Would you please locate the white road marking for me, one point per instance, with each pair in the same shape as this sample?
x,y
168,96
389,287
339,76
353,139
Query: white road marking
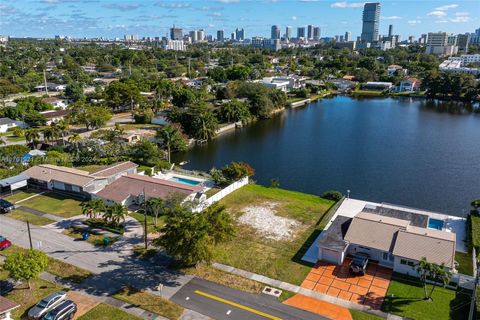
x,y
187,298
229,311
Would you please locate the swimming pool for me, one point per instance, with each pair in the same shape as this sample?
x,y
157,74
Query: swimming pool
x,y
435,224
186,181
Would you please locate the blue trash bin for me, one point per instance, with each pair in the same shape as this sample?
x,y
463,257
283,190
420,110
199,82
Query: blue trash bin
x,y
85,235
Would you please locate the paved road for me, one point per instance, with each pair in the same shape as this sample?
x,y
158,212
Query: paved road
x,y
112,268
223,303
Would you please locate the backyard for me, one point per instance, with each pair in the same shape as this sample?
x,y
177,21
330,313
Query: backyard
x,y
405,297
267,251
49,202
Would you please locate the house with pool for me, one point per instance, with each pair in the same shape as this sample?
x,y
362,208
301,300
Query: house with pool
x,y
393,236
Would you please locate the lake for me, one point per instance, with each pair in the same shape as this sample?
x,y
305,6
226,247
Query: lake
x,y
399,151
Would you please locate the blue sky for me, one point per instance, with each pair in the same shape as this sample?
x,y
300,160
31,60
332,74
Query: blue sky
x,y
95,18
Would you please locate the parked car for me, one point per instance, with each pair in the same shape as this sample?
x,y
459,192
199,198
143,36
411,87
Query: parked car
x,y
64,311
46,304
6,206
359,263
4,243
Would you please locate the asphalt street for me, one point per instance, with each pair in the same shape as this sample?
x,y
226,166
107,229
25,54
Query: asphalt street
x,y
223,303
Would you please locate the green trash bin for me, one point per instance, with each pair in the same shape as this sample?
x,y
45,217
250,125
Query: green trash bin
x,y
106,241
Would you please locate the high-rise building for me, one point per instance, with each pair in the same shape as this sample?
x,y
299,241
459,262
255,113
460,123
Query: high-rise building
x,y
232,36
309,32
463,41
371,21
316,33
239,34
348,36
275,32
193,36
301,32
175,45
288,32
390,30
176,33
200,35
438,43
220,35
475,37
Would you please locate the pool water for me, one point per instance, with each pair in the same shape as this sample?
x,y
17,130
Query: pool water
x,y
435,224
186,181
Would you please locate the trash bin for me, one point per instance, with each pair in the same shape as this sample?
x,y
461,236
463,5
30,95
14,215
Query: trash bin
x,y
106,241
85,235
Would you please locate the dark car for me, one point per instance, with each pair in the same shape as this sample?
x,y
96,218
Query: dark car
x,y
359,263
6,206
4,243
64,311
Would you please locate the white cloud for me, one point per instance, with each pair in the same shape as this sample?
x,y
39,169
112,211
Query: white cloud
x,y
414,22
437,13
391,18
345,4
447,7
460,19
294,18
462,14
228,1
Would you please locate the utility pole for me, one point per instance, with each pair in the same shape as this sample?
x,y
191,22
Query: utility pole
x,y
29,235
145,217
45,82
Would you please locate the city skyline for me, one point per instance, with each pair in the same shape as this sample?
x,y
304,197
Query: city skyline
x,y
112,19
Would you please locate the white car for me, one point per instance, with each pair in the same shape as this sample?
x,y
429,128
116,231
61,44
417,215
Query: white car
x,y
46,304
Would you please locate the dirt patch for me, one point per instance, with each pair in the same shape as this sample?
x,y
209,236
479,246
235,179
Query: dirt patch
x,y
84,303
264,220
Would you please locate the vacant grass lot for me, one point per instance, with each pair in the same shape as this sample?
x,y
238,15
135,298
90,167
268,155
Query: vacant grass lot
x,y
107,312
150,302
20,195
55,203
407,301
276,259
465,262
27,298
56,267
21,215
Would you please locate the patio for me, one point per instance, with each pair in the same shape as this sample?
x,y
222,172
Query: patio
x,y
337,281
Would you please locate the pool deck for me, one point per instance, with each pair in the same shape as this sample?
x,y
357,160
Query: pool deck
x,y
170,175
351,207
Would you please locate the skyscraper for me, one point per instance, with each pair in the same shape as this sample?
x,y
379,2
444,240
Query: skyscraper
x,y
288,32
309,32
193,36
239,34
371,19
301,32
176,33
348,36
275,32
200,35
316,33
390,30
220,35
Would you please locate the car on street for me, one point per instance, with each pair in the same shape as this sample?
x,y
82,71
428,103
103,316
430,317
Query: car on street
x,y
4,243
359,263
6,206
46,304
64,311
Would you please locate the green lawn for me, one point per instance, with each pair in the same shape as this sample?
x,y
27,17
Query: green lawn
x,y
150,221
368,92
150,302
20,195
475,228
107,312
276,259
56,204
465,263
408,301
21,215
360,315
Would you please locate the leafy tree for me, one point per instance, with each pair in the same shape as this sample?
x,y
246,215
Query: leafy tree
x,y
26,265
18,132
155,207
144,115
74,92
171,138
219,223
147,153
231,173
34,118
332,195
184,97
93,208
91,117
235,110
434,272
122,94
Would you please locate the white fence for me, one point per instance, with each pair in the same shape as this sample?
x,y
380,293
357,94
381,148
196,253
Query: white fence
x,y
221,194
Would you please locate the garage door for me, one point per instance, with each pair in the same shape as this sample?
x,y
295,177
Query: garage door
x,y
330,255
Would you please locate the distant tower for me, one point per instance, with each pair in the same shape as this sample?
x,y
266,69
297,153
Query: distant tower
x,y
288,32
348,36
301,32
275,32
309,32
316,33
390,30
371,21
176,33
220,35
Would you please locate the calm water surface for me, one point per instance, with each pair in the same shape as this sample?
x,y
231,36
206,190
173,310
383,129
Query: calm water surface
x,y
385,150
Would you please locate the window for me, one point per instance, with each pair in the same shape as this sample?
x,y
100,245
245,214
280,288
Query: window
x,y
385,256
410,263
403,261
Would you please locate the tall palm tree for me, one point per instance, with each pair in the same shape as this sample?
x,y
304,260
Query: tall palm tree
x,y
63,129
155,206
48,134
115,213
93,207
74,138
172,138
32,135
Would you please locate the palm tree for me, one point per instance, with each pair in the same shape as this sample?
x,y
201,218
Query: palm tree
x,y
434,272
48,134
74,138
93,207
32,135
63,129
205,123
172,138
155,206
115,213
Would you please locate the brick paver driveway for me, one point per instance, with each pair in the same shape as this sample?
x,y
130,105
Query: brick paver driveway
x,y
337,281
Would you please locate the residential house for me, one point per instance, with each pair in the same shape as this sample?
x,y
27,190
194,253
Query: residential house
x,y
6,308
129,190
51,87
115,171
394,238
285,83
57,103
391,69
408,85
55,116
7,123
380,86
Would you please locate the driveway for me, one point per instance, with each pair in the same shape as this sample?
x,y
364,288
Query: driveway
x,y
337,281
